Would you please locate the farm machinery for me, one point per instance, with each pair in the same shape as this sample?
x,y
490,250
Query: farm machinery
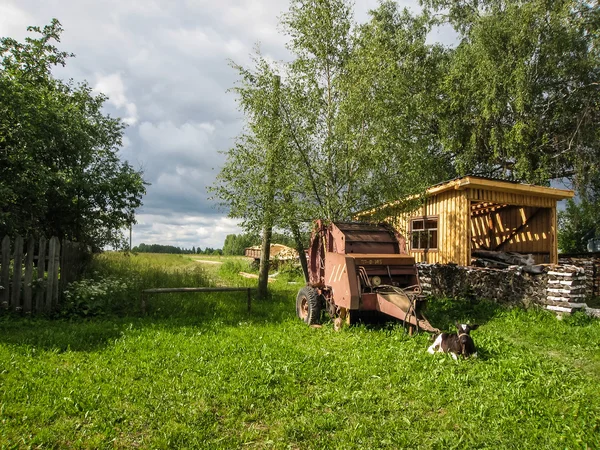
x,y
357,268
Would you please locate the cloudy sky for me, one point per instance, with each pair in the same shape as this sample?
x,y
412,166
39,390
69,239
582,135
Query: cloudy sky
x,y
164,66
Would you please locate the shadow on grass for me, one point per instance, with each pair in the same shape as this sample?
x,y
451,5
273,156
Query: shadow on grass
x,y
444,313
173,312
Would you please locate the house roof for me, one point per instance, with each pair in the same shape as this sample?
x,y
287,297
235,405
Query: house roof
x,y
491,184
500,186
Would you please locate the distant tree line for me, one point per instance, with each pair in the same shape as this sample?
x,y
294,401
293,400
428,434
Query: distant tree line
x,y
158,248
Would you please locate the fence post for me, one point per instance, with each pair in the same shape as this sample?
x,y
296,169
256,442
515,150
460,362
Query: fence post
x,y
18,259
52,285
56,272
41,271
5,276
28,275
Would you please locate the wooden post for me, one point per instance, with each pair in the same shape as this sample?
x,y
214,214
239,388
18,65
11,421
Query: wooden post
x,y
28,275
5,275
52,281
17,268
41,270
55,274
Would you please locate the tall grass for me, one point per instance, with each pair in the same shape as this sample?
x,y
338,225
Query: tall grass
x,y
114,282
201,372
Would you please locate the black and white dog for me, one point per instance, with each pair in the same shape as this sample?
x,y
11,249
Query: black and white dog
x,y
460,343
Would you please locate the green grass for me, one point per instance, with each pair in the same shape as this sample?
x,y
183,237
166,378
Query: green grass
x,y
200,372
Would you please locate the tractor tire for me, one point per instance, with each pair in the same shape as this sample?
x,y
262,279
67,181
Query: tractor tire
x,y
308,306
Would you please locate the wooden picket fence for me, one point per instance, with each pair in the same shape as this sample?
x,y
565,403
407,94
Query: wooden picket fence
x,y
33,275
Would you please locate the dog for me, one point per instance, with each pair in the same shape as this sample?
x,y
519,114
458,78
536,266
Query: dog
x,y
460,343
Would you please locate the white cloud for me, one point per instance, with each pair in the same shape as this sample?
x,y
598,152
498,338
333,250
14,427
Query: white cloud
x,y
184,231
112,86
13,20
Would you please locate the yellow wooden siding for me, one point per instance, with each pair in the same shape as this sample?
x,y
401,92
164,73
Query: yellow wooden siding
x,y
482,195
456,227
452,210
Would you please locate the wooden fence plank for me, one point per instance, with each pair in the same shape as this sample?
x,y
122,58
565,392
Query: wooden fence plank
x,y
55,273
28,275
50,278
41,269
5,274
17,270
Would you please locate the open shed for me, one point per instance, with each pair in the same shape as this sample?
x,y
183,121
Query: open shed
x,y
461,215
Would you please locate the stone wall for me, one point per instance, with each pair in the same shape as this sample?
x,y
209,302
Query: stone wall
x,y
506,286
560,288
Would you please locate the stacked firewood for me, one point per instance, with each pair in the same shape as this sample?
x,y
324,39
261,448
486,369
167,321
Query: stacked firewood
x,y
591,265
566,291
511,286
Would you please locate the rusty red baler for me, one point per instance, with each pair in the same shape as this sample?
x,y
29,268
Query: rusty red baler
x,y
356,267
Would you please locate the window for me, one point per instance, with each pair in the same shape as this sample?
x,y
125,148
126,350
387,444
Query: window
x,y
424,233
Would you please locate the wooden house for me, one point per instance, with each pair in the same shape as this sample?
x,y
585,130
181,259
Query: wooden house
x,y
470,213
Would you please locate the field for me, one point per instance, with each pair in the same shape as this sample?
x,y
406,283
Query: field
x,y
200,372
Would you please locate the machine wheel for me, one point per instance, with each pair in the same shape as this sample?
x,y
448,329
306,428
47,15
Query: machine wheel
x,y
308,305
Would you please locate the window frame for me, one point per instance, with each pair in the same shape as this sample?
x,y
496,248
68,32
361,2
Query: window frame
x,y
424,230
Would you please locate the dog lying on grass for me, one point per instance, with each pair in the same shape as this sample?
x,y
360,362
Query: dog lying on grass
x,y
460,343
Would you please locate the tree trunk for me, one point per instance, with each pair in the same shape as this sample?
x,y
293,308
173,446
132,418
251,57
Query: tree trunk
x,y
300,250
265,256
271,157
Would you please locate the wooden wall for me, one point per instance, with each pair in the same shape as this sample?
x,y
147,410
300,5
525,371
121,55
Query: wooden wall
x,y
522,229
537,237
452,210
456,227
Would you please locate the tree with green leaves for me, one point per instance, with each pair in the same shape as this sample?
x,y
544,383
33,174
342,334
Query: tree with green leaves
x,y
60,173
521,98
346,127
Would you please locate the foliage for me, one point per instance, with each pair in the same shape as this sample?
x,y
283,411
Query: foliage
x,y
337,138
577,224
236,244
393,84
90,297
200,372
521,98
60,173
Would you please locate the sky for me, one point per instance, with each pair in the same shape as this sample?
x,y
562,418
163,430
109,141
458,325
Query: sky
x,y
164,64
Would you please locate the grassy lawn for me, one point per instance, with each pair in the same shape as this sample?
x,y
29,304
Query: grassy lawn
x,y
200,372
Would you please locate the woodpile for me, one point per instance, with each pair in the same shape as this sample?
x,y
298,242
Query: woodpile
x,y
501,260
561,288
511,286
590,263
566,289
278,252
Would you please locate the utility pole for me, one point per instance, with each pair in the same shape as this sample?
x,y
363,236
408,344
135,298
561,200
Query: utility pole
x,y
271,159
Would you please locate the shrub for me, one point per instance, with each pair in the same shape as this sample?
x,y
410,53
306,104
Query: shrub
x,y
93,297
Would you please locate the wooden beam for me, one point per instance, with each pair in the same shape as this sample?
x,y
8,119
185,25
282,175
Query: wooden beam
x,y
518,230
492,207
